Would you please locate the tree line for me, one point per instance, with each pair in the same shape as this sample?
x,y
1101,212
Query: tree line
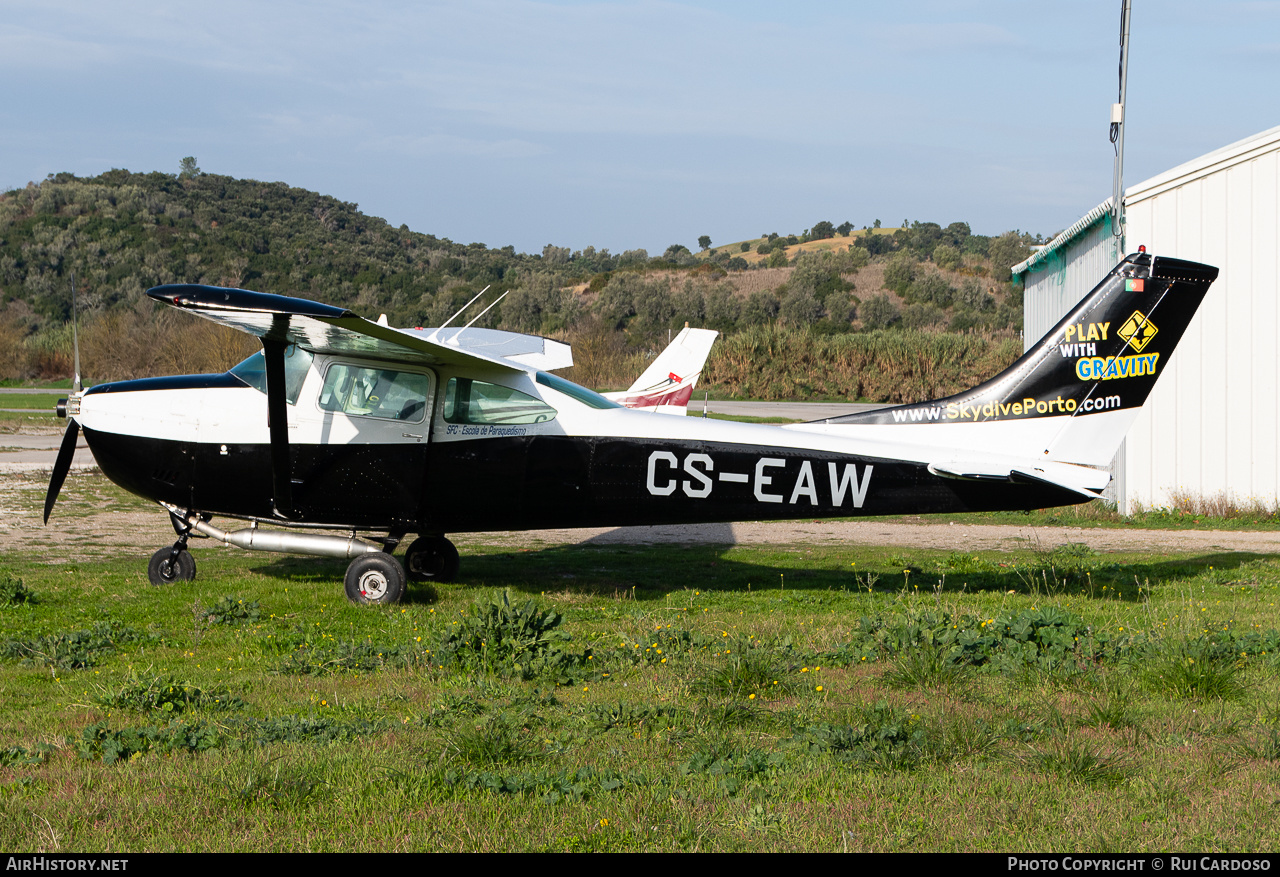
x,y
120,233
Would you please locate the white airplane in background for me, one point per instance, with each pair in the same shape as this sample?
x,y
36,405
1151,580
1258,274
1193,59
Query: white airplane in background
x,y
343,425
667,384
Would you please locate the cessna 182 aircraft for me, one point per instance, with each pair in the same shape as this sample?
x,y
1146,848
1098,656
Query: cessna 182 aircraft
x,y
348,426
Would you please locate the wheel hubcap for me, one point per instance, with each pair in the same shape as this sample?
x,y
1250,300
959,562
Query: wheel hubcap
x,y
373,585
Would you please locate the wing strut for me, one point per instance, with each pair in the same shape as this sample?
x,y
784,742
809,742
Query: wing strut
x,y
278,423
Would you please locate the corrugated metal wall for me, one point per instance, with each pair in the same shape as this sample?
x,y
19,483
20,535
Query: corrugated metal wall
x,y
1210,426
1053,288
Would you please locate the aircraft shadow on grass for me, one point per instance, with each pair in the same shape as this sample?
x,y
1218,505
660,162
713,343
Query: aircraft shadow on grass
x,y
648,573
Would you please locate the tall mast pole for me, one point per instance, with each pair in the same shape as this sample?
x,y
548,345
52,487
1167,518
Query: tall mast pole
x,y
1117,133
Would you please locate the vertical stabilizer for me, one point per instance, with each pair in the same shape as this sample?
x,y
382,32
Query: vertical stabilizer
x,y
1078,390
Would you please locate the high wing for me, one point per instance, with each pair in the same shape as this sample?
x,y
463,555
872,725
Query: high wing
x,y
326,329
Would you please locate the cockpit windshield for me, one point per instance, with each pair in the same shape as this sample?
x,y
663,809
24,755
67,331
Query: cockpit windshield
x,y
297,362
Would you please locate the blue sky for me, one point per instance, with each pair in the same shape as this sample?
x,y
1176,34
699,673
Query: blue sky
x,y
639,124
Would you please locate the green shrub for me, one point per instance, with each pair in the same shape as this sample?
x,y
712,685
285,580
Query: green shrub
x,y
307,729
72,651
230,610
168,694
1195,669
100,742
14,593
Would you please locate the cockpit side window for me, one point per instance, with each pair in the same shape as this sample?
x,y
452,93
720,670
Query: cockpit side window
x,y
297,362
375,392
470,401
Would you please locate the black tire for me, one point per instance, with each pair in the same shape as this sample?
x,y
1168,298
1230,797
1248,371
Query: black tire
x,y
375,579
431,559
163,570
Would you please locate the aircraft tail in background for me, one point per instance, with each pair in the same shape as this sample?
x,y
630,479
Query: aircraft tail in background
x,y
667,384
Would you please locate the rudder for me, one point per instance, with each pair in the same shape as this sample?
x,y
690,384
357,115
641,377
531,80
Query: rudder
x,y
1092,372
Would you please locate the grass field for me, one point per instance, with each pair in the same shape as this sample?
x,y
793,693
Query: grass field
x,y
620,698
42,401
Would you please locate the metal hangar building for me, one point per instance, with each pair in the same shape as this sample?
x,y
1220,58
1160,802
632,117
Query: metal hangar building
x,y
1209,429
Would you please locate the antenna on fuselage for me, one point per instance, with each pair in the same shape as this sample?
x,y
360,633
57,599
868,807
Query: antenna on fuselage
x,y
460,310
489,308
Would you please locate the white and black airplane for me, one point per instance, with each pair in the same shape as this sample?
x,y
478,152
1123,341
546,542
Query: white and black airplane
x,y
349,426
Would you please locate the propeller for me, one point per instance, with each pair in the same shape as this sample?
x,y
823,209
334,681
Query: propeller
x,y
61,466
67,450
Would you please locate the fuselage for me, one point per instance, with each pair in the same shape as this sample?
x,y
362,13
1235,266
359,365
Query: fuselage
x,y
406,451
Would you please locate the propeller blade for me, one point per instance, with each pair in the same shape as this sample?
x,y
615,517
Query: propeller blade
x,y
61,467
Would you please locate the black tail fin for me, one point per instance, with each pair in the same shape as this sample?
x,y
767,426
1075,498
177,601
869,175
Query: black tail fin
x,y
1093,370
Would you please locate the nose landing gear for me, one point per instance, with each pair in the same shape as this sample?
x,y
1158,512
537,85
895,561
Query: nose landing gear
x,y
174,564
169,565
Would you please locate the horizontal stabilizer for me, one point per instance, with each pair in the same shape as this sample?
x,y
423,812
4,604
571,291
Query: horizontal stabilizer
x,y
1084,481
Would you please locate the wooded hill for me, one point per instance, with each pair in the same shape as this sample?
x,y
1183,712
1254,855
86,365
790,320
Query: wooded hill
x,y
121,233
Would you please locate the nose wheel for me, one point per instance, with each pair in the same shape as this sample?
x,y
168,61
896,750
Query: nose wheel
x,y
170,565
431,559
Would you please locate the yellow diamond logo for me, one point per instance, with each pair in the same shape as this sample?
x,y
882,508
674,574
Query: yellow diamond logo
x,y
1138,331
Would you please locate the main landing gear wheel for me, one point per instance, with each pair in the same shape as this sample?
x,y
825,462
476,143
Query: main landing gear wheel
x,y
165,568
375,578
431,559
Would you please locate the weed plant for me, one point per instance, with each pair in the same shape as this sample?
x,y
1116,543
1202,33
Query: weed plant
x,y
75,650
1079,761
13,592
497,739
233,610
750,668
1195,669
168,694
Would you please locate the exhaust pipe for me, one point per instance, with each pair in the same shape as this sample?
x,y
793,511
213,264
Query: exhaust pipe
x,y
253,539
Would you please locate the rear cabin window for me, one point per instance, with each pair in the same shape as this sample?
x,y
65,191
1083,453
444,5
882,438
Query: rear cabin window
x,y
469,401
361,391
575,391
